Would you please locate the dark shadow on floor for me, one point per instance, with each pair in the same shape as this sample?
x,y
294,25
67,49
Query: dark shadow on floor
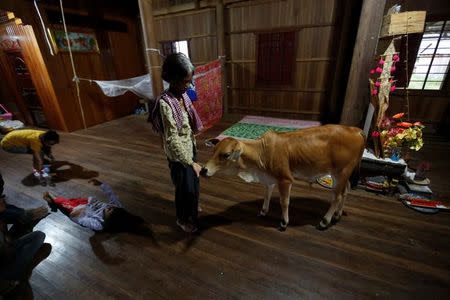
x,y
141,238
62,171
302,211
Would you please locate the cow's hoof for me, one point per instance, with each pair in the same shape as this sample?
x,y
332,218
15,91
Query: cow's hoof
x,y
262,213
336,218
323,225
283,226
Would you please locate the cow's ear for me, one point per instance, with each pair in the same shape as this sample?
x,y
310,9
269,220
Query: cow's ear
x,y
211,142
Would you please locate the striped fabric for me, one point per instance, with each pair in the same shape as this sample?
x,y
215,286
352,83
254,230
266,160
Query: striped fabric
x,y
194,119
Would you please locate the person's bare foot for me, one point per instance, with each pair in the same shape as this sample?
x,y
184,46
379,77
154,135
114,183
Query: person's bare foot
x,y
48,197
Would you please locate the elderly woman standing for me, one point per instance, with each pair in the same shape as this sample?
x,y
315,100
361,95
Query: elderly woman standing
x,y
176,120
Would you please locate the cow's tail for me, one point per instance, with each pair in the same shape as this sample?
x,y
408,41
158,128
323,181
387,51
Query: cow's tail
x,y
354,178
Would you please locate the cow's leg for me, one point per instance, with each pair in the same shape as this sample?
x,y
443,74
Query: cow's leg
x,y
265,208
325,222
285,194
338,213
341,182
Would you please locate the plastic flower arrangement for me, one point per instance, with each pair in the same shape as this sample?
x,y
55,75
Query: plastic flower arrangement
x,y
396,133
378,76
382,83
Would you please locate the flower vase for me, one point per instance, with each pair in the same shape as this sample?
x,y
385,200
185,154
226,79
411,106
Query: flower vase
x,y
396,154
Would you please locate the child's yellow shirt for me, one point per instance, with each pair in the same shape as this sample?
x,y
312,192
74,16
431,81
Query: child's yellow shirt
x,y
23,138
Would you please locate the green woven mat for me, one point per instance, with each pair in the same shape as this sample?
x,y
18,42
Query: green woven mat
x,y
252,131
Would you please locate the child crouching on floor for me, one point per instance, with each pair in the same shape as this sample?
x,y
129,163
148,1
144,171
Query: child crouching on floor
x,y
95,214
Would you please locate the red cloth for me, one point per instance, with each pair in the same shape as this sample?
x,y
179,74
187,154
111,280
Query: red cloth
x,y
208,86
70,203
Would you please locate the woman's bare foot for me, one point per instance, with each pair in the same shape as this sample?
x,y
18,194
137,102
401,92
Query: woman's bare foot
x,y
48,197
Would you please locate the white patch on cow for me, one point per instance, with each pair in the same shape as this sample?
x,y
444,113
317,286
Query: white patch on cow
x,y
306,177
256,176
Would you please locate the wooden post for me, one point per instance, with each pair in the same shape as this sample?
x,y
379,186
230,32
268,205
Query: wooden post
x,y
152,57
357,93
347,12
221,50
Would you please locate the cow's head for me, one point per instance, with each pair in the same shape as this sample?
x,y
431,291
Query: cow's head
x,y
226,157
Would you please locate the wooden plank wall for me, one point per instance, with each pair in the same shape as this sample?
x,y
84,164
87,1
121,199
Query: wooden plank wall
x,y
314,22
430,107
38,71
121,56
198,27
164,4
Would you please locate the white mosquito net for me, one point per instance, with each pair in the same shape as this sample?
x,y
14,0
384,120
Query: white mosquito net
x,y
141,86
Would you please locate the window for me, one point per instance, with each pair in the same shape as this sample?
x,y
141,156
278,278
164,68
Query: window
x,y
276,58
175,47
433,58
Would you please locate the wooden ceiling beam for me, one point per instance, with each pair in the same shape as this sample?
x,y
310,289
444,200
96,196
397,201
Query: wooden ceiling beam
x,y
186,7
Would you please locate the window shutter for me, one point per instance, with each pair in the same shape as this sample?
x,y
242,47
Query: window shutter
x,y
276,58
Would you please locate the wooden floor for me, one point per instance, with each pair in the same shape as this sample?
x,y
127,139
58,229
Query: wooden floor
x,y
380,249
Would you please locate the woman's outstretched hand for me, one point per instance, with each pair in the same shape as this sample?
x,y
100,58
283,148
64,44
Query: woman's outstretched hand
x,y
197,168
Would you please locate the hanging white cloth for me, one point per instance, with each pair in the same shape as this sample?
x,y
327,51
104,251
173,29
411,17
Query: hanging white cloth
x,y
141,86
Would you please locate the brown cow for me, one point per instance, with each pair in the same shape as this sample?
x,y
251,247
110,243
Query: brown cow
x,y
278,158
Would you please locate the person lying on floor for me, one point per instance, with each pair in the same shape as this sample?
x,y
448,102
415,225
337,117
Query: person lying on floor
x,y
95,214
31,141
